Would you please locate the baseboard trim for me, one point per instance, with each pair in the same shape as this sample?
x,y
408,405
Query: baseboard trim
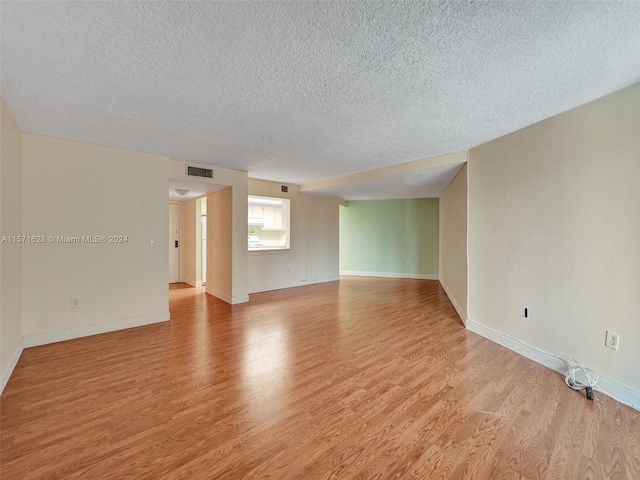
x,y
193,284
231,300
222,296
461,312
239,299
96,329
621,393
13,361
416,276
282,286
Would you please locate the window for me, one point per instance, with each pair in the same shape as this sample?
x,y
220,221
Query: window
x,y
268,223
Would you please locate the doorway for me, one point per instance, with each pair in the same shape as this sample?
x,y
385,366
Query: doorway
x,y
203,241
174,242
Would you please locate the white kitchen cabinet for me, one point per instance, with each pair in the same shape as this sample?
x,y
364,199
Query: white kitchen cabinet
x,y
256,214
269,217
279,218
273,217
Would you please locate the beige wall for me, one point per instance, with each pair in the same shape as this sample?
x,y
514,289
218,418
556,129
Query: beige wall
x,y
10,253
554,225
453,242
314,229
220,244
75,189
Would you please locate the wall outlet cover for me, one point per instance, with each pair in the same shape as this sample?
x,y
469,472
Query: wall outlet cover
x,y
612,340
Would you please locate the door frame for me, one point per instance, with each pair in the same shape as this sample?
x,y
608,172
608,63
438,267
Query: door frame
x,y
179,205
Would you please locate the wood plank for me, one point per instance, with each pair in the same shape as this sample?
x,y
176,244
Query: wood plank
x,y
362,378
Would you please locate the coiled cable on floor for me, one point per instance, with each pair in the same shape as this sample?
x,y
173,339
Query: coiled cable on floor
x,y
589,378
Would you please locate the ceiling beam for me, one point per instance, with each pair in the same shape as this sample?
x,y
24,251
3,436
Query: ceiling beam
x,y
416,165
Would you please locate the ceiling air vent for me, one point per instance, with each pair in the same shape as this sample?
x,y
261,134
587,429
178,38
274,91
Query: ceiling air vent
x,y
199,172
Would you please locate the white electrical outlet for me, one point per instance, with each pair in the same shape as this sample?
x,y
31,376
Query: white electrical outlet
x,y
613,340
75,302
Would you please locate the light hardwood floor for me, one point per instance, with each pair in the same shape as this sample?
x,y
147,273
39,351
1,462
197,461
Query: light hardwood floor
x,y
364,378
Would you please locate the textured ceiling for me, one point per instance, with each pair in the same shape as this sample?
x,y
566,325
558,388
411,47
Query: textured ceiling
x,y
303,91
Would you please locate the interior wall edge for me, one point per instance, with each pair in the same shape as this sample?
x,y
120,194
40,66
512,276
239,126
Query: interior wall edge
x,y
8,370
230,299
456,304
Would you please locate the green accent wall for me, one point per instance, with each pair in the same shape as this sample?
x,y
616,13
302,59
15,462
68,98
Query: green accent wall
x,y
383,235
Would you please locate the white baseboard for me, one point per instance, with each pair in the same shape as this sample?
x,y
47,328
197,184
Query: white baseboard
x,y
418,276
231,300
222,296
13,361
461,311
239,299
621,393
281,286
88,330
193,284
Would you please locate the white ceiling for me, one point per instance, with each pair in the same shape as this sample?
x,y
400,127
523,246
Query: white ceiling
x,y
302,91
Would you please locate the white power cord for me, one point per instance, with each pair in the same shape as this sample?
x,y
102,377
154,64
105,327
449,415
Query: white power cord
x,y
585,378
